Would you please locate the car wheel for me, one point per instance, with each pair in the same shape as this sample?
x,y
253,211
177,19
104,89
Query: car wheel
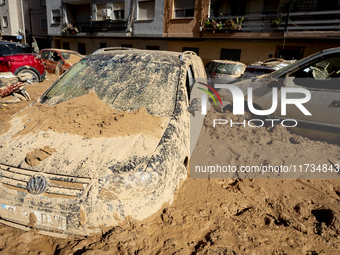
x,y
34,78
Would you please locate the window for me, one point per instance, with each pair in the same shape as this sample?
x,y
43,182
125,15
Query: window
x,y
184,8
238,8
152,47
5,21
102,45
118,10
43,24
146,10
55,16
100,7
42,2
66,45
196,50
45,54
230,54
127,45
82,48
325,70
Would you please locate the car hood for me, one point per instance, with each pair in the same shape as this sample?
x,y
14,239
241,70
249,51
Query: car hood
x,y
75,155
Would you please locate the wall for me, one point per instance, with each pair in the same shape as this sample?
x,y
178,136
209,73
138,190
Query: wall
x,y
150,27
251,50
53,29
92,44
184,27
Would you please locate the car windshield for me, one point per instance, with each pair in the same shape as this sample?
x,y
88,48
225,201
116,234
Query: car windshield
x,y
125,84
229,69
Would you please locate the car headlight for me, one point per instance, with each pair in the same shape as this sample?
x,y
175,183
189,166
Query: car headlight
x,y
128,185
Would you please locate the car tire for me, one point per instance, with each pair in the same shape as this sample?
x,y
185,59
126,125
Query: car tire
x,y
35,77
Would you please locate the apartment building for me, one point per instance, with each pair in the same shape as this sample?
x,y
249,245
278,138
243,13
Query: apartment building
x,y
36,22
252,30
12,20
88,25
241,30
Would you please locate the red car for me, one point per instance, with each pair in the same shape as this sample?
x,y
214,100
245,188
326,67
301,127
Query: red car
x,y
19,58
63,59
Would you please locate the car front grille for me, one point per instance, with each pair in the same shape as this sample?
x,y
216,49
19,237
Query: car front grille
x,y
15,179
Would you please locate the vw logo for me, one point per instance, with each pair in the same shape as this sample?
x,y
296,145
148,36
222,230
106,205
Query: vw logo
x,y
36,185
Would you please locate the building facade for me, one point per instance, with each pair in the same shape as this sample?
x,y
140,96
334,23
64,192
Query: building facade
x,y
239,30
12,20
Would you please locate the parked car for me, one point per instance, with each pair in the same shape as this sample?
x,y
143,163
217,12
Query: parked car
x,y
21,59
265,67
223,71
59,59
318,73
88,183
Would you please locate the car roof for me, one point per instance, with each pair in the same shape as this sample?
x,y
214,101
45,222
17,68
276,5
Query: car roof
x,y
169,57
228,62
62,50
14,43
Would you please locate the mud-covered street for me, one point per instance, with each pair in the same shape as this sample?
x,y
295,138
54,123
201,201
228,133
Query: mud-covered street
x,y
217,216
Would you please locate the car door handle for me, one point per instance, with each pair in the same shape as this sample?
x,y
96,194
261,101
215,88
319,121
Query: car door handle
x,y
336,103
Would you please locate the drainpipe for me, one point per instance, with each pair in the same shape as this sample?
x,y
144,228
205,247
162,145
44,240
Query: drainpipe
x,y
286,23
23,22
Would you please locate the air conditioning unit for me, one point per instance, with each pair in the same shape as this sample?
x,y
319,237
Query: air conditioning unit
x,y
107,13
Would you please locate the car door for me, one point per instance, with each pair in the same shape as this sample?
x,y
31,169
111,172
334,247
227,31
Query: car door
x,y
197,79
321,77
46,57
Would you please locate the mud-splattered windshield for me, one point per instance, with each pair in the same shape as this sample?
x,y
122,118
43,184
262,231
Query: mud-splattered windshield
x,y
124,83
229,69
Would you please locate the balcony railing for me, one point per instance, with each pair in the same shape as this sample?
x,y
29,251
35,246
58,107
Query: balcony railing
x,y
297,21
102,26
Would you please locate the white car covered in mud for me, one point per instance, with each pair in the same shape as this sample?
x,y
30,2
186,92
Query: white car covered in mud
x,y
107,143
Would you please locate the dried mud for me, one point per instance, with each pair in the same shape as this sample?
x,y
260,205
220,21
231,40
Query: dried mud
x,y
223,216
86,116
35,157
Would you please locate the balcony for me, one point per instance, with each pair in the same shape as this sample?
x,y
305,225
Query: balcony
x,y
297,21
101,26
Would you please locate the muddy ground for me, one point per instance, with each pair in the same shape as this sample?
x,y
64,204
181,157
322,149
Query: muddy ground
x,y
218,216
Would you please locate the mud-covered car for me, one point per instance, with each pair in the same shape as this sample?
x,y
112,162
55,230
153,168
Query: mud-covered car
x,y
320,75
107,143
265,67
223,71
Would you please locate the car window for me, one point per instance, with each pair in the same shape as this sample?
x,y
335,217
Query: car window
x,y
18,49
123,84
45,54
5,50
319,73
55,56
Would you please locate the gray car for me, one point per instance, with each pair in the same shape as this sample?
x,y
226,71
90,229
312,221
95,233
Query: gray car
x,y
320,75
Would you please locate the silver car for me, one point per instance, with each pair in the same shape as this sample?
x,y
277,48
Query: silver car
x,y
320,75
